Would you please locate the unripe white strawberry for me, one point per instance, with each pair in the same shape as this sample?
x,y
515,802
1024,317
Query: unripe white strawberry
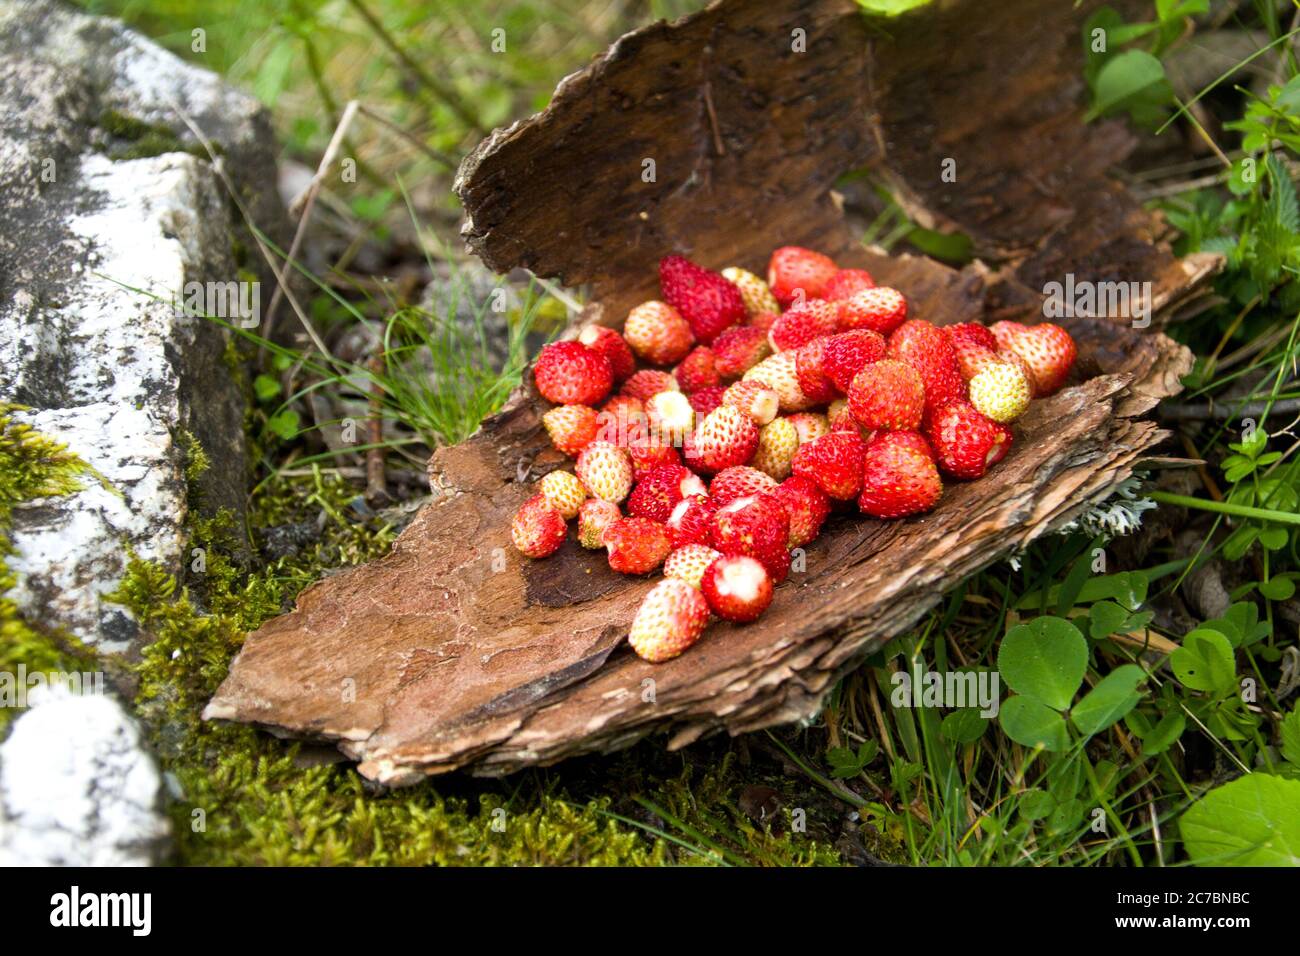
x,y
1001,391
754,291
564,492
606,471
689,562
780,373
594,517
670,619
777,442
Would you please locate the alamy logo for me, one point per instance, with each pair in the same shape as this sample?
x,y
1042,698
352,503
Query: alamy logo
x,y
103,909
16,687
1085,299
953,689
239,303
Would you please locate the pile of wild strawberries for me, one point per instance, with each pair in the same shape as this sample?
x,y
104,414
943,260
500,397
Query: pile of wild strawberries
x,y
796,395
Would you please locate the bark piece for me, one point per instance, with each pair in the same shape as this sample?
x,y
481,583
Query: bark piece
x,y
456,652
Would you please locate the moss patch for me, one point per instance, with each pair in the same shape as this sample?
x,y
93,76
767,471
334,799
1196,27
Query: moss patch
x,y
133,138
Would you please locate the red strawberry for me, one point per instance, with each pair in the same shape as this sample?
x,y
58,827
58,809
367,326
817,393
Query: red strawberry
x,y
691,520
637,545
897,478
671,618
621,411
755,399
698,370
739,481
571,427
726,437
706,400
848,353
924,347
848,282
834,461
756,526
808,364
613,346
649,381
689,562
803,323
797,273
738,350
658,491
569,373
605,470
840,417
1047,349
657,333
538,529
913,441
763,321
737,588
806,505
887,394
881,309
970,335
708,301
594,517
965,442
648,450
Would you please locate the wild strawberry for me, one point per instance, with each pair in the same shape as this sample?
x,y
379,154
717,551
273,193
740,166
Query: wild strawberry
x,y
881,309
623,409
834,461
538,529
808,361
803,323
670,417
739,481
564,492
924,347
780,373
594,517
698,370
763,321
657,333
849,353
569,373
965,442
737,588
753,291
808,425
738,350
913,441
840,416
1000,392
806,505
691,520
726,437
658,491
848,282
973,359
605,470
755,399
706,400
705,299
887,394
756,526
897,479
649,381
1047,349
613,346
970,336
647,450
671,618
637,545
778,440
571,427
797,273
689,562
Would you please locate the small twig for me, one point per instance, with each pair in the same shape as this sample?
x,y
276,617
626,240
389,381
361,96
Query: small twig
x,y
433,154
376,483
1221,412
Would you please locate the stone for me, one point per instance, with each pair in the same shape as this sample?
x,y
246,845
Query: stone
x,y
77,788
110,212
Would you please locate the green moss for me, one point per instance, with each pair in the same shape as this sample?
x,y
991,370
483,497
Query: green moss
x,y
136,139
32,466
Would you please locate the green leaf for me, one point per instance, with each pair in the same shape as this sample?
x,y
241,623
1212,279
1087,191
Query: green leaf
x,y
964,726
1277,589
1252,821
1291,737
1133,81
1245,615
284,423
1105,618
1028,722
266,388
1205,662
1164,734
1035,804
1044,659
1113,697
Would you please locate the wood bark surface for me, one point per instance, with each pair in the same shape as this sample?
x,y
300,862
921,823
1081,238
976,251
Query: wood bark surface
x,y
455,652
